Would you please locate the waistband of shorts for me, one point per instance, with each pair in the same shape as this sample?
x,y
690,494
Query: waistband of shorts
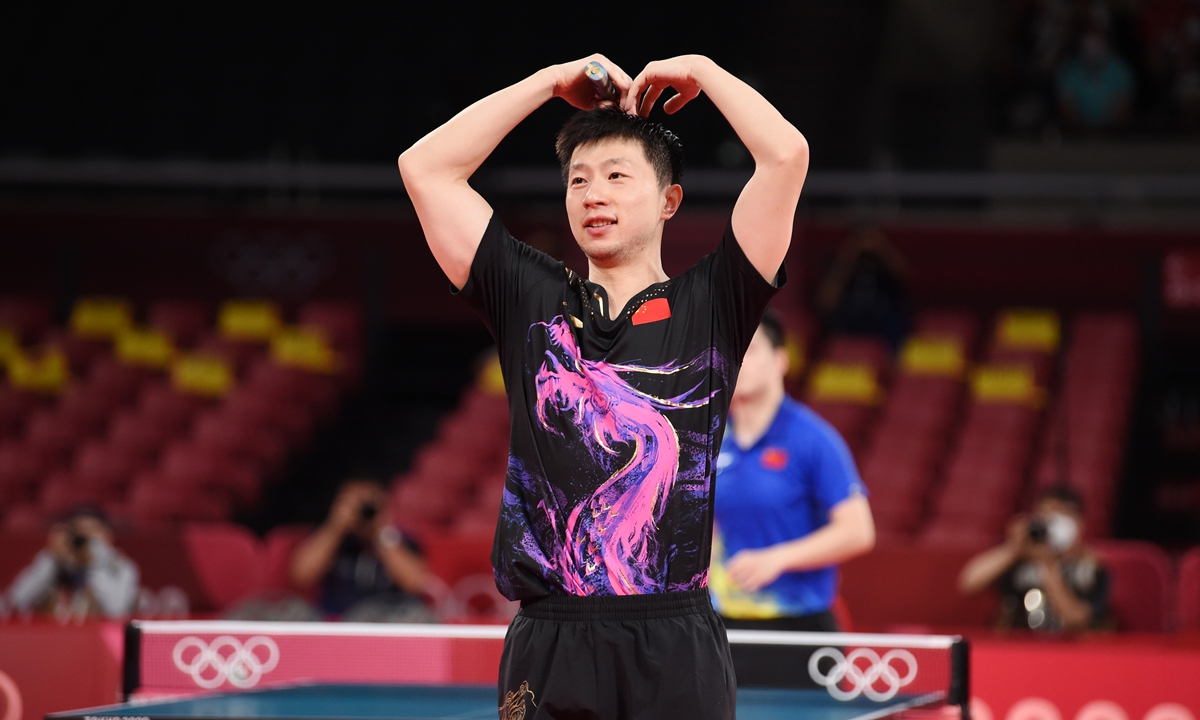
x,y
601,608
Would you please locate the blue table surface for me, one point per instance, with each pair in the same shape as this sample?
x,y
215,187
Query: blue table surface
x,y
420,702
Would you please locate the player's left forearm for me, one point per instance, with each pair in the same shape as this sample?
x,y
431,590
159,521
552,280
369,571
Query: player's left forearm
x,y
842,539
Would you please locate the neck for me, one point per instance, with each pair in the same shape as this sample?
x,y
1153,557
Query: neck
x,y
753,415
621,281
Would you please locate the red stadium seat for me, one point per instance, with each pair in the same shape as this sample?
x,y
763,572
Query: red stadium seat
x,y
62,492
863,350
279,544
116,379
1189,591
227,561
29,318
318,392
264,446
103,465
1139,595
87,405
15,408
153,500
21,468
140,435
341,321
188,465
184,321
54,435
174,410
294,419
957,324
241,355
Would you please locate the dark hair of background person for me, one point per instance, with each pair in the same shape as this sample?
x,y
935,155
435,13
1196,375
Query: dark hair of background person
x,y
1064,494
663,149
773,327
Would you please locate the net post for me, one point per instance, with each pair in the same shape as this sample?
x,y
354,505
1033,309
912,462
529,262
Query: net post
x,y
131,674
960,676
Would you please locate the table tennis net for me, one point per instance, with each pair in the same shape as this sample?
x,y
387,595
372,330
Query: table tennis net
x,y
184,657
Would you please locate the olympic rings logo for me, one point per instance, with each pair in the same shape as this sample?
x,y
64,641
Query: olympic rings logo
x,y
862,680
226,659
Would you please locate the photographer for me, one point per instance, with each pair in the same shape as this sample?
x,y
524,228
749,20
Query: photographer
x,y
1048,579
79,574
366,569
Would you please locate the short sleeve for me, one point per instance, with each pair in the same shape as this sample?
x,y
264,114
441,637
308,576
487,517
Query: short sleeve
x,y
503,270
834,475
739,291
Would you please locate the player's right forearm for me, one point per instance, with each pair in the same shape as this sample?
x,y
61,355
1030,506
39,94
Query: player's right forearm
x,y
454,151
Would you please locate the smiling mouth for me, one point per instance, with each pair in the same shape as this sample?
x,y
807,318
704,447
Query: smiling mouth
x,y
600,223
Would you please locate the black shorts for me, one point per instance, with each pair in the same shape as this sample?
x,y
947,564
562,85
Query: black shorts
x,y
773,665
617,658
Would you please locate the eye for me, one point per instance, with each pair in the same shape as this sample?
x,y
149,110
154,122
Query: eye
x,y
577,181
615,175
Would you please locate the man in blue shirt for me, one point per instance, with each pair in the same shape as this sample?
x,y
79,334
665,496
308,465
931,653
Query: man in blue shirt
x,y
790,506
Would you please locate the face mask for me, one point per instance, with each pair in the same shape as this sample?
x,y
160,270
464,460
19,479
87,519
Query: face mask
x,y
1061,531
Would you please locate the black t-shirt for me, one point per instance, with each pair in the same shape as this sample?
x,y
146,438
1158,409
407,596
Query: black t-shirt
x,y
357,574
616,423
1023,600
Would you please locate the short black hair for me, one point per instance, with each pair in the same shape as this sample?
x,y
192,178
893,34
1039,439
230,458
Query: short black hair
x,y
662,147
1063,493
773,327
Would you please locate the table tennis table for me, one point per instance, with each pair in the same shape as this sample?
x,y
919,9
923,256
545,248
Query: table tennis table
x,y
428,702
197,670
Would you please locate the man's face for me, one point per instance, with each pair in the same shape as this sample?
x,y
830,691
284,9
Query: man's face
x,y
1064,524
614,202
763,368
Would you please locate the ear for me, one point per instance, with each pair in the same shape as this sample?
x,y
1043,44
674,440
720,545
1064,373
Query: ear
x,y
672,198
783,361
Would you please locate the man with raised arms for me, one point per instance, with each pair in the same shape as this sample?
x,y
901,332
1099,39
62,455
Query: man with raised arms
x,y
618,382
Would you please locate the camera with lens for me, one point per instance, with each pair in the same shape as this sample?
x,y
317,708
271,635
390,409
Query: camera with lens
x,y
79,541
1037,530
367,511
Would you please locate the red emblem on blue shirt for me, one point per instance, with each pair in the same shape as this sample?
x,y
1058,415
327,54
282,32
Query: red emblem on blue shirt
x,y
774,458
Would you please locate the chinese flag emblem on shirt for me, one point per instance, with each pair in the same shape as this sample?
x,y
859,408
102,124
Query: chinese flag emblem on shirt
x,y
652,311
774,458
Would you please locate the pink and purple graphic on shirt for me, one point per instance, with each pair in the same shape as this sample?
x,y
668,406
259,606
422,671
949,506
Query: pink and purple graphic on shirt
x,y
607,544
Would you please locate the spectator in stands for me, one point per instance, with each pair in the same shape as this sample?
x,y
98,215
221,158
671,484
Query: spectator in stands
x,y
79,574
790,507
1095,86
1048,578
367,570
865,291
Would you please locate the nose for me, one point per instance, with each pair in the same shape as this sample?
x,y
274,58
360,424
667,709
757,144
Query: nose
x,y
594,196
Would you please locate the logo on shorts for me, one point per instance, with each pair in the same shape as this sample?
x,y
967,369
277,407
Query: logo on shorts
x,y
863,672
514,703
226,659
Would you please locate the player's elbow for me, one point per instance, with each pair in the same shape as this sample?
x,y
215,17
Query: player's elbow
x,y
864,537
408,165
790,152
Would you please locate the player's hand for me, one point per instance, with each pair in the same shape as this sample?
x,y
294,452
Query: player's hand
x,y
751,570
678,73
571,83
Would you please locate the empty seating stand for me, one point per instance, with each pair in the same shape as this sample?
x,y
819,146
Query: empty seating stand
x,y
125,429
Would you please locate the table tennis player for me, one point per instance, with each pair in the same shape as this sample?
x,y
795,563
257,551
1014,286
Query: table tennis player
x,y
618,381
791,507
